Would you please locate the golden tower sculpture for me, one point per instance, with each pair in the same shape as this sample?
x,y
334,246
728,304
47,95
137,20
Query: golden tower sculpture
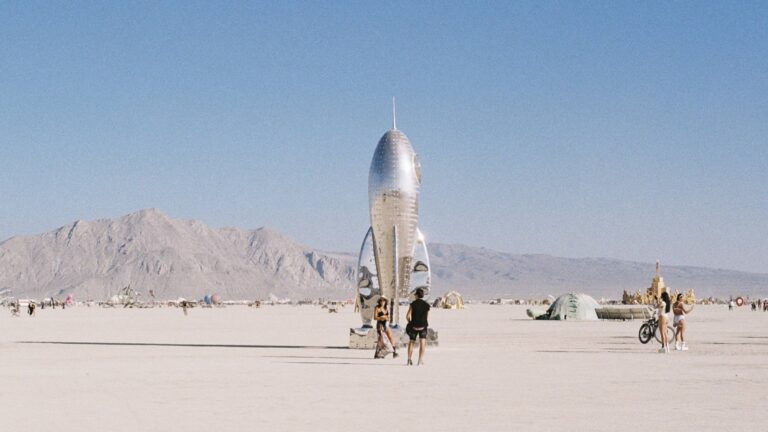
x,y
653,293
657,285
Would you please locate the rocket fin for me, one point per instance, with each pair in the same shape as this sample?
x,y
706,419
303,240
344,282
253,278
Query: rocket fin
x,y
395,281
421,271
394,302
368,288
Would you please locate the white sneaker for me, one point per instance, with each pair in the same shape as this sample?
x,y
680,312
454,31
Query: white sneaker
x,y
678,347
684,347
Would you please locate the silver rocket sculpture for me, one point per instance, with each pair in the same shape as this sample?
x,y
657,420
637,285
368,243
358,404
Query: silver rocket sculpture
x,y
393,258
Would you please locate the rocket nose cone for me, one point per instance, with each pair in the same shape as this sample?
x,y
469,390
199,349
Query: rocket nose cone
x,y
394,166
394,141
393,135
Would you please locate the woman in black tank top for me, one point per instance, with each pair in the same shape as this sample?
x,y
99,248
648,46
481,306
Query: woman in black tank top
x,y
381,315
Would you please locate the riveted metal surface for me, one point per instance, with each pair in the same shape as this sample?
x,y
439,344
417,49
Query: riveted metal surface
x,y
393,193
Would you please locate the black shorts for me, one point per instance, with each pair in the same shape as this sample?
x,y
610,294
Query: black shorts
x,y
381,327
412,333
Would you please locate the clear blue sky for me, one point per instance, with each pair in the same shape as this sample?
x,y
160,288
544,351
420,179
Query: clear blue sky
x,y
632,130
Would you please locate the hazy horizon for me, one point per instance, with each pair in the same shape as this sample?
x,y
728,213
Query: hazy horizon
x,y
619,130
353,253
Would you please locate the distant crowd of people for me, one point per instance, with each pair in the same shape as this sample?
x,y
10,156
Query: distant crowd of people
x,y
15,306
756,304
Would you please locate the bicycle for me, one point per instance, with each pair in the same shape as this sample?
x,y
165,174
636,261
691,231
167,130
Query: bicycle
x,y
650,329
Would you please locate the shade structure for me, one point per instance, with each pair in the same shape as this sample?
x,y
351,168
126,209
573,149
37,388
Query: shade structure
x,y
452,300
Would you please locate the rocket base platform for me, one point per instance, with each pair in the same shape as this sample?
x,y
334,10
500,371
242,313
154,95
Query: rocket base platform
x,y
366,337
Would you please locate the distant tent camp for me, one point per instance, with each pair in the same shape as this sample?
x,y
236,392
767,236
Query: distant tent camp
x,y
570,306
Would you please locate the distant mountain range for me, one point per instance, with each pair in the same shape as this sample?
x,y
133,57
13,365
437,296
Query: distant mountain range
x,y
186,258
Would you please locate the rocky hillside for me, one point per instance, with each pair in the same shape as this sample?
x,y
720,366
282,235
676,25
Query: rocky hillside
x,y
486,273
185,258
174,257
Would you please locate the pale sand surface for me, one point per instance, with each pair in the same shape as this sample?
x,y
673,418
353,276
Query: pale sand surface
x,y
494,370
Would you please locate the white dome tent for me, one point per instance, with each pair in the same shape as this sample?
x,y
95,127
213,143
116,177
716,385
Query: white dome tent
x,y
571,306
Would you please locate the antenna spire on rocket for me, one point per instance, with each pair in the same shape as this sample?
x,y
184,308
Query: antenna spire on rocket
x,y
394,114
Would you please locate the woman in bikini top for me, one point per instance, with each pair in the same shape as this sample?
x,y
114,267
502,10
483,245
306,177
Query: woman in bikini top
x,y
381,319
680,310
664,305
381,314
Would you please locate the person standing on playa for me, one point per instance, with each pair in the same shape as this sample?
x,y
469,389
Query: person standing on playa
x,y
417,325
381,314
679,323
663,313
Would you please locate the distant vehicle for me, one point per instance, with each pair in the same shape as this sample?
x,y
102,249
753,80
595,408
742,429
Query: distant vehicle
x,y
182,302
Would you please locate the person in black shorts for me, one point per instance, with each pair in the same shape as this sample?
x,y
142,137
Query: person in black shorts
x,y
417,325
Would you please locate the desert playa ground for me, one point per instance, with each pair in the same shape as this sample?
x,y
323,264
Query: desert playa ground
x,y
287,368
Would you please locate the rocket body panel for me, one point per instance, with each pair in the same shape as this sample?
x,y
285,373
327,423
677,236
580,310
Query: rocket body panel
x,y
393,192
394,261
